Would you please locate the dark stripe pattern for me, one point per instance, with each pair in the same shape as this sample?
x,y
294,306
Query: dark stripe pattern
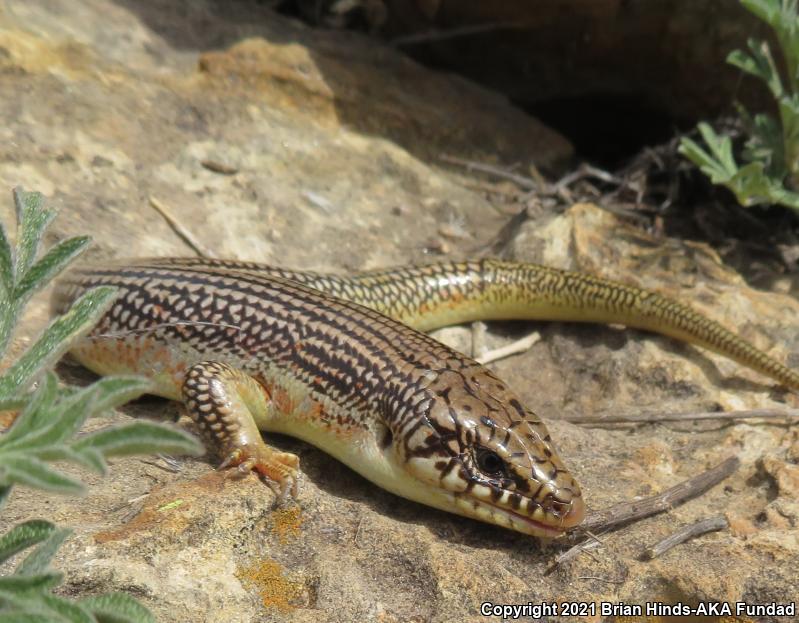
x,y
427,297
441,407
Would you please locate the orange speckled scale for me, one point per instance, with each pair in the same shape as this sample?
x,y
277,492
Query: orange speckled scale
x,y
135,353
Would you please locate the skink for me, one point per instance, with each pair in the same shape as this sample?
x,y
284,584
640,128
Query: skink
x,y
340,362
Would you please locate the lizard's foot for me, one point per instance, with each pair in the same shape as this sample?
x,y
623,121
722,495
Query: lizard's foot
x,y
279,470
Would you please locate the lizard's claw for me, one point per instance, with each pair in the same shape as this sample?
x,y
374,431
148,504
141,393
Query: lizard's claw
x,y
279,470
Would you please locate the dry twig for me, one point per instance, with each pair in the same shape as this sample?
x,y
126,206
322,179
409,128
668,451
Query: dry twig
x,y
479,331
490,187
525,182
711,524
183,233
683,417
585,171
166,463
508,232
519,346
452,33
600,579
219,167
629,511
584,546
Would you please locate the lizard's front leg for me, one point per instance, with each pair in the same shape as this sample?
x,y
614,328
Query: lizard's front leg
x,y
223,401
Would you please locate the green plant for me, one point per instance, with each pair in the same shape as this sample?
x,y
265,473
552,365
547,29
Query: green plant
x,y
47,426
770,174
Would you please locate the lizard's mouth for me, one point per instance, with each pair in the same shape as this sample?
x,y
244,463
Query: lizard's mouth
x,y
541,524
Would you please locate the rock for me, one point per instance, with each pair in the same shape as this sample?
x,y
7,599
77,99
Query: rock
x,y
106,104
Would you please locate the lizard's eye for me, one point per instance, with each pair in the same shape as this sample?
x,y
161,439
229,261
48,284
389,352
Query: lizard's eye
x,y
489,462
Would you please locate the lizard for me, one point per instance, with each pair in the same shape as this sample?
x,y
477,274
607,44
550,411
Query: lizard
x,y
342,362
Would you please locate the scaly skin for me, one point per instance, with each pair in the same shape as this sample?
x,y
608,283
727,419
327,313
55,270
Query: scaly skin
x,y
249,347
247,352
429,297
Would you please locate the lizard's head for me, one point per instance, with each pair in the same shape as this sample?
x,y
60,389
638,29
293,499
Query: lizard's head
x,y
473,449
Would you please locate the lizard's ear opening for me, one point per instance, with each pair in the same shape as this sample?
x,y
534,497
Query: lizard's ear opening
x,y
386,439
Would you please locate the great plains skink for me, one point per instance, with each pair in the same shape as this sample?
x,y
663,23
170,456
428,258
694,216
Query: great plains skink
x,y
340,362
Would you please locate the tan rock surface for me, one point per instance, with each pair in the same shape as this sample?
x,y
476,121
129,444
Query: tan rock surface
x,y
103,106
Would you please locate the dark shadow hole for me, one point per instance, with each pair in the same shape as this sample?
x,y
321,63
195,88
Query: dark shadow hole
x,y
606,130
